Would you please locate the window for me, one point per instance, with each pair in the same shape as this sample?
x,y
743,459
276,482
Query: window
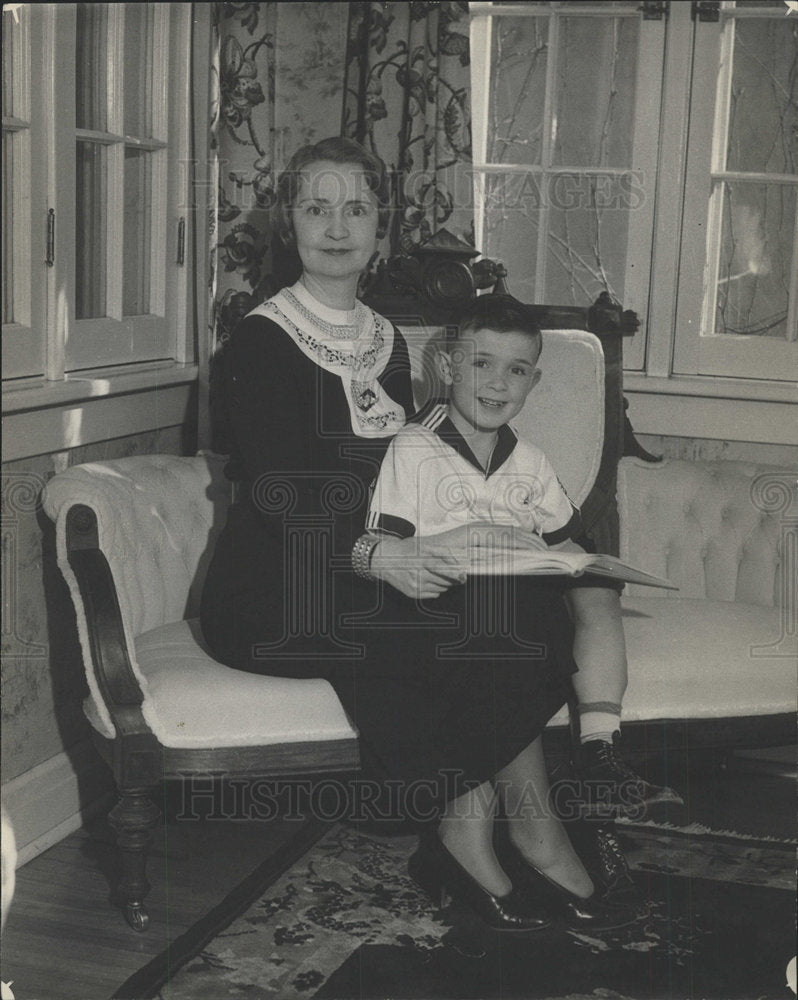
x,y
565,148
644,150
740,214
23,202
95,152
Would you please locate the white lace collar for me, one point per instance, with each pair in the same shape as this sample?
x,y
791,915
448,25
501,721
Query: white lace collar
x,y
353,344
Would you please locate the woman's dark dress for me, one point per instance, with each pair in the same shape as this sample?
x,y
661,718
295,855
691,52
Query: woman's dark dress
x,y
443,693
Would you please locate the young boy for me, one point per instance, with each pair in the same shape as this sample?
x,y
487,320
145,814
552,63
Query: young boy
x,y
461,466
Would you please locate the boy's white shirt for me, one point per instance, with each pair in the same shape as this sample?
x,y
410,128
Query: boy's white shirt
x,y
426,485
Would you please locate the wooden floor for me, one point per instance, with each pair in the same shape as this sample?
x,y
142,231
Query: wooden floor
x,y
64,940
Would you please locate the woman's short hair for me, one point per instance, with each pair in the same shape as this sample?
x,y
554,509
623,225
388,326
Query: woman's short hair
x,y
336,149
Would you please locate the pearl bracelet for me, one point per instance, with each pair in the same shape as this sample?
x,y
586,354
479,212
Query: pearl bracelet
x,y
362,551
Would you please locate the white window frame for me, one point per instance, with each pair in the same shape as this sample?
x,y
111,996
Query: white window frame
x,y
90,359
644,147
23,344
664,400
698,350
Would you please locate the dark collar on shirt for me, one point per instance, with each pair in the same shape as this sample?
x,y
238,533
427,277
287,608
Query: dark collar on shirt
x,y
505,443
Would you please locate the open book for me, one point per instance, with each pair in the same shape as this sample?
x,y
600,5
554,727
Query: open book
x,y
522,562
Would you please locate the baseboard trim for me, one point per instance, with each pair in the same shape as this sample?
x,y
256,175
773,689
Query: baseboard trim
x,y
55,798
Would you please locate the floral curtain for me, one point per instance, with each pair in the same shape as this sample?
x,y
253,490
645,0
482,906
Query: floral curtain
x,y
408,99
281,76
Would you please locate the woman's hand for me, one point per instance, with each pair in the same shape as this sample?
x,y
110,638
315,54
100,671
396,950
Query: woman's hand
x,y
427,566
415,568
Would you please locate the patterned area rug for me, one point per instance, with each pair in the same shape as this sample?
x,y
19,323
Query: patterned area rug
x,y
345,921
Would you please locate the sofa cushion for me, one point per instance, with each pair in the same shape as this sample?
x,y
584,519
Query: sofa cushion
x,y
689,659
191,700
693,659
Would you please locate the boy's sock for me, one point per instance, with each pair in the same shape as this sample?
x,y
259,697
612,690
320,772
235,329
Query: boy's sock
x,y
598,720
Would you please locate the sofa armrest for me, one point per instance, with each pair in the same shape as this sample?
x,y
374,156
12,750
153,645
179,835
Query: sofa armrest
x,y
114,686
716,529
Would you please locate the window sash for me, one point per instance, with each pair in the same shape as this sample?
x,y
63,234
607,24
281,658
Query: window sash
x,y
55,343
698,349
23,349
642,170
116,338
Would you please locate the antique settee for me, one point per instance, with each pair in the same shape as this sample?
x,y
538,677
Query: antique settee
x,y
713,661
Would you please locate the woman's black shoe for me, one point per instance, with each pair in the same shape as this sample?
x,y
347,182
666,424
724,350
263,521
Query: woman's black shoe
x,y
596,912
441,876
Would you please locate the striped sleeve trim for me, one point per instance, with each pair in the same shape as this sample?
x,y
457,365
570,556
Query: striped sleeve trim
x,y
388,524
570,530
435,417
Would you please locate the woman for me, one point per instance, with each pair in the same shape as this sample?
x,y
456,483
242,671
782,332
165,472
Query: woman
x,y
316,385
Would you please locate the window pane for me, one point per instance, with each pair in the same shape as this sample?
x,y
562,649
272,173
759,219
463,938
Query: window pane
x,y
595,99
763,116
755,259
139,20
587,237
90,230
511,220
518,85
91,66
8,227
586,241
137,236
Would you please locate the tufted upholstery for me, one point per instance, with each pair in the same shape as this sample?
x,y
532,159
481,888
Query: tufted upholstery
x,y
697,659
564,414
718,647
711,527
158,517
704,524
193,701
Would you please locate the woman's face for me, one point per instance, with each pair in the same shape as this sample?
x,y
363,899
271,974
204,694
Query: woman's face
x,y
335,220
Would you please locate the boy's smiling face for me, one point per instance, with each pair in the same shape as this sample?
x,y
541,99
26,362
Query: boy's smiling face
x,y
490,373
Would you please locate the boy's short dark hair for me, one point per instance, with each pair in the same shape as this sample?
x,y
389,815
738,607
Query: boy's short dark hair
x,y
500,312
336,149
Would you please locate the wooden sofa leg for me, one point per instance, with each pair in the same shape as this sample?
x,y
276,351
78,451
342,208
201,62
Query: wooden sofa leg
x,y
134,818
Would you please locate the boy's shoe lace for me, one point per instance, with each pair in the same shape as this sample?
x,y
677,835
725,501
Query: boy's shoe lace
x,y
602,855
614,870
612,788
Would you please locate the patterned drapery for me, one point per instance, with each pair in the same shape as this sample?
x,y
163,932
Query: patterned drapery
x,y
280,82
408,93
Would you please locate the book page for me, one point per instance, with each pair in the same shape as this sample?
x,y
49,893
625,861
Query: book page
x,y
521,562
